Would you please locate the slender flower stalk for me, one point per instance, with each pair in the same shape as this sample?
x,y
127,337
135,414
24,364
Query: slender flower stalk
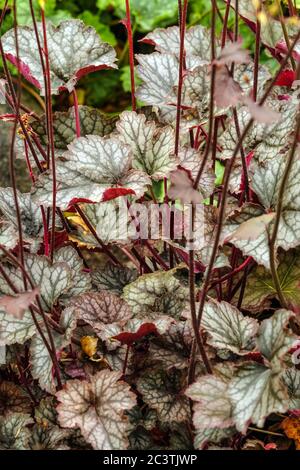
x,y
12,153
180,74
222,206
277,220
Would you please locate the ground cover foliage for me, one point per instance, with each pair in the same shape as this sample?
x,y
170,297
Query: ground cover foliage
x,y
110,337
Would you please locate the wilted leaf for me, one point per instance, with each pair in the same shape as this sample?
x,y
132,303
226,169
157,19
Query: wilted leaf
x,y
97,408
152,147
228,327
157,292
291,427
89,345
69,61
212,407
162,391
17,306
13,399
255,392
91,166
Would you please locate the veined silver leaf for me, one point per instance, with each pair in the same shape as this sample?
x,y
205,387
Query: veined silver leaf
x,y
113,278
14,330
97,408
291,379
228,327
69,60
41,362
91,166
152,147
191,160
159,74
266,140
30,213
162,392
156,292
197,41
257,247
81,281
52,279
101,308
274,340
212,436
8,235
255,392
212,407
92,122
14,433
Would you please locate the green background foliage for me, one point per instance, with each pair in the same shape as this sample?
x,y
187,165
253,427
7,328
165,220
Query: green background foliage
x,y
111,90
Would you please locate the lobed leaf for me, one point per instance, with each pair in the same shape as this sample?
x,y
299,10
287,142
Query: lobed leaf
x,y
97,408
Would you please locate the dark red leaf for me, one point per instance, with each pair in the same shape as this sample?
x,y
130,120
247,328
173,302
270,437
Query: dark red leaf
x,y
130,338
286,78
113,193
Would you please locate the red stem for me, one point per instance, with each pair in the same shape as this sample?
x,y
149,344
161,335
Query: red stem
x,y
225,25
51,134
77,115
131,54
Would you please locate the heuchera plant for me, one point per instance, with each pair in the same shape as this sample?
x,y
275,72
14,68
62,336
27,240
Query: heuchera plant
x,y
114,335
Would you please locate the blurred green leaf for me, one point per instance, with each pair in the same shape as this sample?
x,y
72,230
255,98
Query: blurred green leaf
x,y
102,29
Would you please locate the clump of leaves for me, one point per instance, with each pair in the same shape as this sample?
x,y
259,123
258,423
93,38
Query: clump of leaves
x,y
125,324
